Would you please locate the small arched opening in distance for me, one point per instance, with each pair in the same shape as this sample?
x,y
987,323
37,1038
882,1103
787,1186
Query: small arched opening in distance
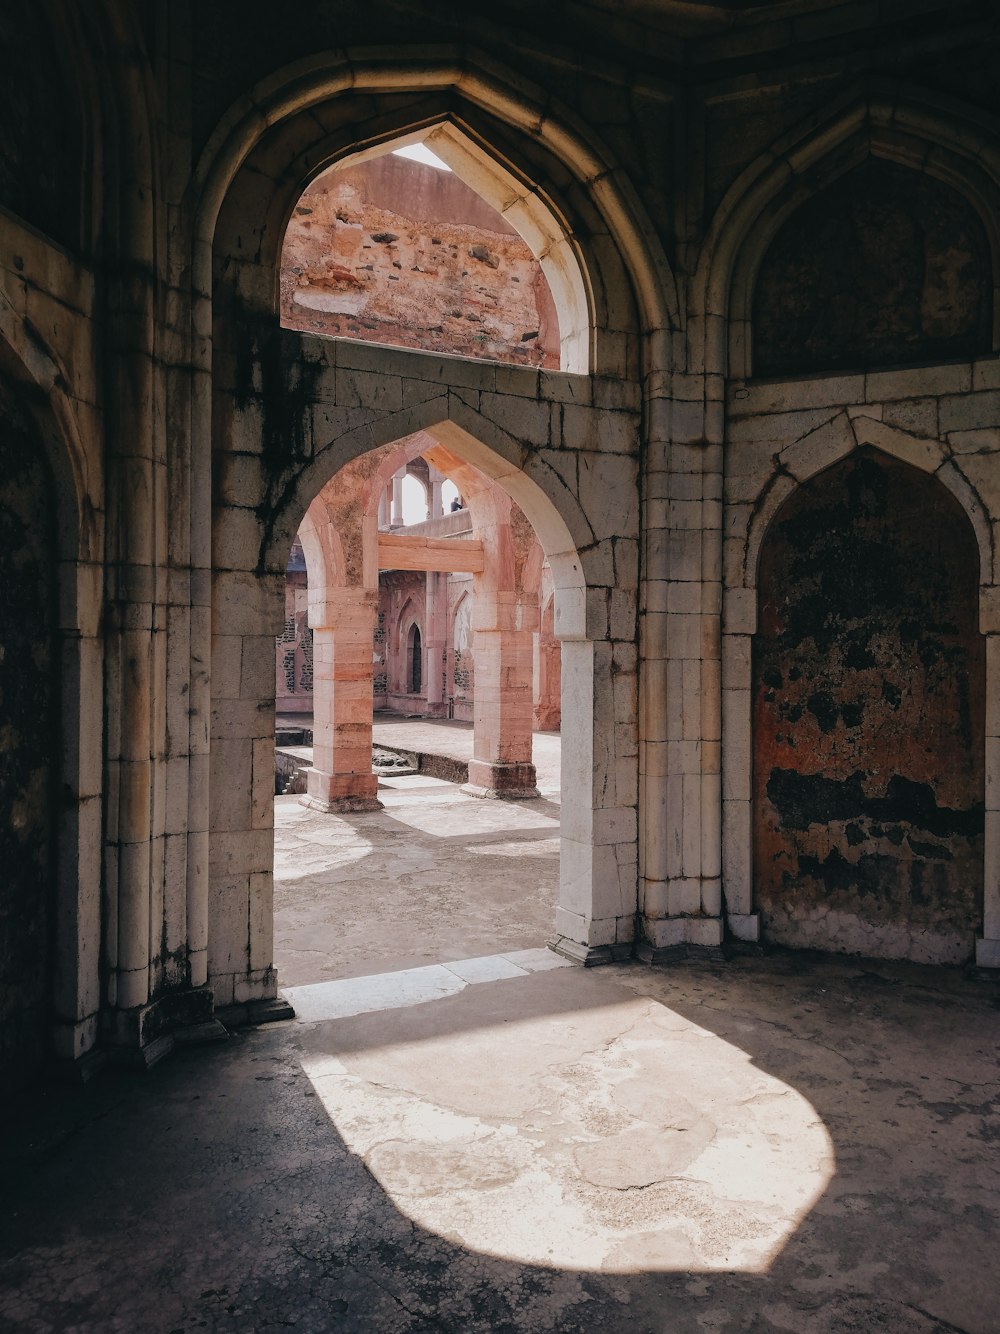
x,y
868,717
414,660
415,505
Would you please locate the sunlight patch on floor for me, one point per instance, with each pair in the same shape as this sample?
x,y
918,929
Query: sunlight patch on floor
x,y
618,1137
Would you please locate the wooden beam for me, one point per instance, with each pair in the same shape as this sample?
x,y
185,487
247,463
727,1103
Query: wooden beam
x,y
446,555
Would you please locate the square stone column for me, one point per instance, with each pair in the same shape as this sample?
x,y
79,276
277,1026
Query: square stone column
x,y
343,626
435,637
502,763
681,835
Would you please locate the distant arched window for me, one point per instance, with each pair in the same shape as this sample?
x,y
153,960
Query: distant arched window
x,y
884,267
414,660
408,246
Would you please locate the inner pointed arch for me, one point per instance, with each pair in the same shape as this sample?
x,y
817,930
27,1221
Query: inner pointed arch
x,y
446,293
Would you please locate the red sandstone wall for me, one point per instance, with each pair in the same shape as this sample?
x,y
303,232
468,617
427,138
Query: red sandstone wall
x,y
393,251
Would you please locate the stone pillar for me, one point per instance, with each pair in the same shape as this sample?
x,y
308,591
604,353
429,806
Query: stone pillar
x,y
343,625
435,506
435,637
502,764
383,510
681,870
596,917
397,499
547,678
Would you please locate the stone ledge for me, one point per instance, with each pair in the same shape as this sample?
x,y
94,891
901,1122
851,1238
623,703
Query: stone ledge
x,y
590,956
253,1013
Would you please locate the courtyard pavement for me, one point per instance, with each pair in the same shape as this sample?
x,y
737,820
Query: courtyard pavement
x,y
436,875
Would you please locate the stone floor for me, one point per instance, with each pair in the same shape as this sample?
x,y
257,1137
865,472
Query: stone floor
x,y
437,875
463,1133
780,1144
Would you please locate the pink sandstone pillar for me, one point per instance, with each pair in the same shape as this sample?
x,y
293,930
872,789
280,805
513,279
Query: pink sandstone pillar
x,y
341,778
502,647
396,517
436,636
435,506
548,678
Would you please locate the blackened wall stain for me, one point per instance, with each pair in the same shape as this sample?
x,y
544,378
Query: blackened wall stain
x,y
868,684
28,738
883,267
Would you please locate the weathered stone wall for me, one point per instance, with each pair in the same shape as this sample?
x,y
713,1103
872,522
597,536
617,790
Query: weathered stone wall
x,y
667,147
868,717
396,251
30,730
860,585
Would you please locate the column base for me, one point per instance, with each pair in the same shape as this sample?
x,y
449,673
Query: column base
x,y
670,938
253,1013
341,805
744,926
590,956
987,953
501,782
340,793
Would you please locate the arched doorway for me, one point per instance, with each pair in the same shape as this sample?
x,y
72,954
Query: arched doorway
x,y
868,717
415,683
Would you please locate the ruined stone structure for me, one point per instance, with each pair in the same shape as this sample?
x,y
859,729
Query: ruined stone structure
x,y
423,647
764,474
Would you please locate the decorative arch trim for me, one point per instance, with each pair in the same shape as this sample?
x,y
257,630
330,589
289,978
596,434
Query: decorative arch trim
x,y
944,139
483,84
815,453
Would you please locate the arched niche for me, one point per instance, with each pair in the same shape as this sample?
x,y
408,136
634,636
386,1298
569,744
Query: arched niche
x,y
868,689
414,660
948,143
886,265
